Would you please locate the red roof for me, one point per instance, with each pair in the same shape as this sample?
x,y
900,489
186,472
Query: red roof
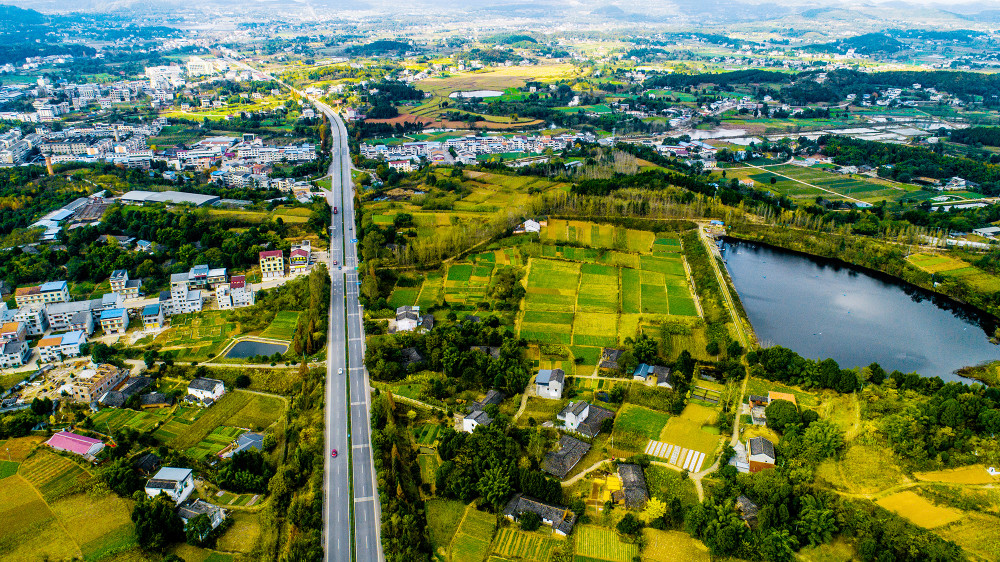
x,y
237,281
271,254
300,252
68,441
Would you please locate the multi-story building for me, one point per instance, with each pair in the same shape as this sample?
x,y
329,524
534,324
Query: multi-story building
x,y
152,316
114,321
122,285
235,294
34,320
91,384
299,257
74,315
56,348
40,295
272,264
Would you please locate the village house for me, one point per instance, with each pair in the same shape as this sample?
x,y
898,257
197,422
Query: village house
x,y
152,316
40,295
549,383
193,508
56,348
114,321
176,483
475,419
86,447
560,518
122,285
653,375
567,454
299,257
206,390
584,418
634,492
91,384
761,454
407,318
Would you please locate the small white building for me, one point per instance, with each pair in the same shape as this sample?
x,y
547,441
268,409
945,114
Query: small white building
x,y
474,420
203,388
549,383
574,414
177,483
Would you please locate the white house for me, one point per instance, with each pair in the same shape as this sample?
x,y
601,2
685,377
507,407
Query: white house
x,y
178,483
475,419
194,508
203,388
549,383
761,454
574,414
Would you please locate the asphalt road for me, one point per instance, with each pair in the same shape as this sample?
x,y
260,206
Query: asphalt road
x,y
349,392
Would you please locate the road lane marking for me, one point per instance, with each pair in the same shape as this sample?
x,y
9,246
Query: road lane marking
x,y
364,499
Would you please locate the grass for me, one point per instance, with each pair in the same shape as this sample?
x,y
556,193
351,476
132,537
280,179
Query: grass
x,y
919,510
242,534
640,419
947,266
443,517
760,387
603,544
862,469
472,539
838,550
978,533
283,326
673,546
8,469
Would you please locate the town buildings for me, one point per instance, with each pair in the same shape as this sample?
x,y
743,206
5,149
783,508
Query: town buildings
x,y
90,384
40,295
59,347
272,264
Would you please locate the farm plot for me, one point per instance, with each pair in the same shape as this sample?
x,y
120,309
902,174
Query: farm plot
x,y
426,434
53,476
948,266
197,336
632,418
673,546
30,530
802,182
472,540
602,544
113,419
919,510
520,545
283,326
214,442
190,428
598,289
467,283
428,465
595,329
443,518
98,523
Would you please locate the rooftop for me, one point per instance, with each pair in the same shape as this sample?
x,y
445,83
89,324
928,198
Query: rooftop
x,y
172,474
570,451
204,384
113,314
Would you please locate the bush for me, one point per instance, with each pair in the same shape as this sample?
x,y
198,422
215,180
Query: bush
x,y
242,381
530,521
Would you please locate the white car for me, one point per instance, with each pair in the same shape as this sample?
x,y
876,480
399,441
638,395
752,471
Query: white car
x,y
340,371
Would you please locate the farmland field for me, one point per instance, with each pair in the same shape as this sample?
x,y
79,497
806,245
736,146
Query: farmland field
x,y
472,540
602,544
443,517
283,326
520,545
673,546
801,182
978,533
947,266
919,510
640,419
688,430
235,408
53,475
197,336
975,474
113,419
862,469
214,442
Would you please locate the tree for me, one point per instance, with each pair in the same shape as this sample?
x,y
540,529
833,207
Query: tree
x,y
150,357
530,521
243,381
494,486
780,413
156,523
774,180
822,440
816,522
120,477
655,509
629,525
198,529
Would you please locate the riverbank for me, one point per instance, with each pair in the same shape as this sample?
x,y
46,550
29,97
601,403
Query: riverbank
x,y
988,374
874,255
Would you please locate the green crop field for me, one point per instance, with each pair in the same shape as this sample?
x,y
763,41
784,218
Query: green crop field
x,y
602,544
807,182
404,296
52,475
632,418
520,545
472,540
113,419
283,326
195,337
214,442
694,429
236,408
443,518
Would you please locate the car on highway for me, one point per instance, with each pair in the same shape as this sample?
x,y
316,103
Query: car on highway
x,y
334,453
335,210
335,262
340,371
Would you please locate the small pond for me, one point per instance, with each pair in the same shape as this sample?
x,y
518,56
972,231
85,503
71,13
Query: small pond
x,y
247,348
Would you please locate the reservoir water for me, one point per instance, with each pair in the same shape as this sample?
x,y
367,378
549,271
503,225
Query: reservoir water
x,y
820,308
248,348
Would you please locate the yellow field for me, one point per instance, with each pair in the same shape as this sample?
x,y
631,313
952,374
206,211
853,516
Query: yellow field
x,y
497,79
861,470
977,533
837,551
87,518
919,510
19,447
30,530
242,535
975,474
673,546
935,263
686,430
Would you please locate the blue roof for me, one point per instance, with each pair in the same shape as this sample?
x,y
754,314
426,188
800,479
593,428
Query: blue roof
x,y
199,271
70,338
144,243
643,370
53,286
543,376
151,310
61,215
112,313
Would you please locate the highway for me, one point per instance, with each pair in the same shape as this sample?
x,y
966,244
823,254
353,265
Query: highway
x,y
349,391
350,477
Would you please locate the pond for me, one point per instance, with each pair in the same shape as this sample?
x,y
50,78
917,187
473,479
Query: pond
x,y
822,308
247,348
476,94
